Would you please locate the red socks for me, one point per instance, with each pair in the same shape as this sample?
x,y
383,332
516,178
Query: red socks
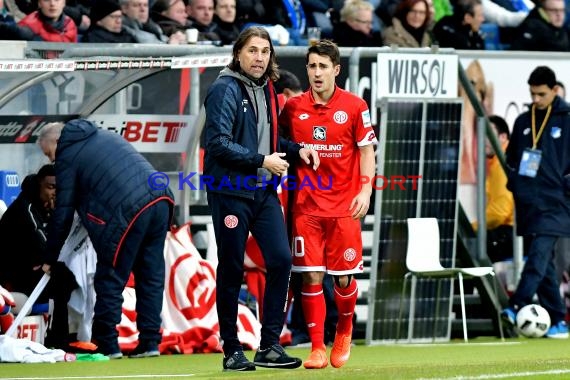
x,y
345,299
314,309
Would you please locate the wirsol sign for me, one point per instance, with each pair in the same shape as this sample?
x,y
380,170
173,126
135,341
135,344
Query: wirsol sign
x,y
417,75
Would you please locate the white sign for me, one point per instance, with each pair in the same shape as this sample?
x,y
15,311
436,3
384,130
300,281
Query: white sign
x,y
417,75
201,61
508,94
151,133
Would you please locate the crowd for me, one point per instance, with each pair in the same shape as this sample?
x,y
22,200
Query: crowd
x,y
540,25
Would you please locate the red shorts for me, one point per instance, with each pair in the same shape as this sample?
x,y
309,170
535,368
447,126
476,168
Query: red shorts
x,y
332,245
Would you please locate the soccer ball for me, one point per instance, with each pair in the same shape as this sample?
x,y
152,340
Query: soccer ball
x,y
533,321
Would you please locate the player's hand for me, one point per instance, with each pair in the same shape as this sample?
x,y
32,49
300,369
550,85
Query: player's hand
x,y
46,268
359,205
309,155
276,164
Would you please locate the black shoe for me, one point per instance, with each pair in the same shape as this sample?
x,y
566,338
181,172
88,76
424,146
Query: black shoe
x,y
275,357
145,351
237,362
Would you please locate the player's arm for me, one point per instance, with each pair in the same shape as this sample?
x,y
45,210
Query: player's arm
x,y
361,202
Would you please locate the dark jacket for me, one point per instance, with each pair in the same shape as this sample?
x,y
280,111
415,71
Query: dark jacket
x,y
344,35
105,179
23,237
231,139
537,34
450,32
227,31
542,203
168,25
100,35
9,30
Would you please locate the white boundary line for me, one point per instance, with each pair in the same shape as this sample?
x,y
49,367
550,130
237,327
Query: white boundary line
x,y
102,377
502,375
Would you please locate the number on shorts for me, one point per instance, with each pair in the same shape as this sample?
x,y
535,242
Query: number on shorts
x,y
299,246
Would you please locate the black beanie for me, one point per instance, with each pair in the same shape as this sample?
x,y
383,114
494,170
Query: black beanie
x,y
102,9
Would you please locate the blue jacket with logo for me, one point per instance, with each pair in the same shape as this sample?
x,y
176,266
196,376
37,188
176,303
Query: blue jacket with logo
x,y
231,142
543,202
102,177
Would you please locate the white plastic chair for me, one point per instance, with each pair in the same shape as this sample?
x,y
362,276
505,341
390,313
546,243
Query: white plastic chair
x,y
423,260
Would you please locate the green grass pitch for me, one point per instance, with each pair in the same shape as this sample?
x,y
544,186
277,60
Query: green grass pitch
x,y
481,358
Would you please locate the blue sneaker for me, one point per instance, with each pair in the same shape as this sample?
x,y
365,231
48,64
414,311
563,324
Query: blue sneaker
x,y
509,316
558,331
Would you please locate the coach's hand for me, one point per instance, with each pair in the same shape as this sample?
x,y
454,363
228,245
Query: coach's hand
x,y
276,164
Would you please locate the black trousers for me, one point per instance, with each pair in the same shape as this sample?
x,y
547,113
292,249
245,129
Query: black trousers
x,y
234,218
142,253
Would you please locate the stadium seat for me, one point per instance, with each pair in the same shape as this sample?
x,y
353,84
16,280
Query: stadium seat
x,y
491,36
9,186
423,261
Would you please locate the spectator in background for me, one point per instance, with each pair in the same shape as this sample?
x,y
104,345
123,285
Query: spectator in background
x,y
561,90
170,15
355,27
250,11
79,11
287,86
49,23
543,28
201,15
410,25
461,29
107,24
225,20
500,207
289,14
9,30
323,14
137,23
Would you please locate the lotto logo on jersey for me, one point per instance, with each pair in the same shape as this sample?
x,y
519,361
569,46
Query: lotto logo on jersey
x,y
319,133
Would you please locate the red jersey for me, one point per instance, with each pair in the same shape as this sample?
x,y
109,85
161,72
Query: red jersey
x,y
335,130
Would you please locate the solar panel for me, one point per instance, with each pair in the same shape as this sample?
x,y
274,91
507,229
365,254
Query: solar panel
x,y
417,138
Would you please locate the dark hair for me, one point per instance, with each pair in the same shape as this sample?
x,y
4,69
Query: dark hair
x,y
406,6
47,170
325,48
287,80
272,71
542,75
464,7
501,125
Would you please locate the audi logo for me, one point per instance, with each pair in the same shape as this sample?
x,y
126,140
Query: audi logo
x,y
12,180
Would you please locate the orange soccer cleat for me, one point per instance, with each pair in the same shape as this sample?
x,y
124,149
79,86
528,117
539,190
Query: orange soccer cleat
x,y
317,359
341,349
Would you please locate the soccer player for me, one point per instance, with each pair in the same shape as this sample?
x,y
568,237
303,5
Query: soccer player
x,y
326,219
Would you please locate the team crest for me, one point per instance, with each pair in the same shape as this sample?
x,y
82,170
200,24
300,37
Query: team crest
x,y
319,133
349,254
231,221
340,117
